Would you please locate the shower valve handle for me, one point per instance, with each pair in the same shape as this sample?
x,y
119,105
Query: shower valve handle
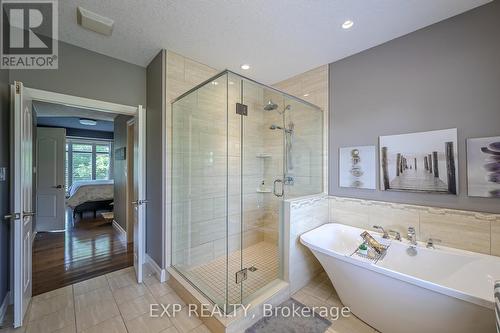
x,y
274,188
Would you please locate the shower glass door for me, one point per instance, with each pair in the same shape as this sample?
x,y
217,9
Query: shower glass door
x,y
238,149
262,189
199,188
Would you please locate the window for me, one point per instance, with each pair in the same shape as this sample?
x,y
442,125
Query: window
x,y
87,160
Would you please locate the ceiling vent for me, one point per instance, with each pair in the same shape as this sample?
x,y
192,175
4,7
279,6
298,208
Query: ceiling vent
x,y
94,22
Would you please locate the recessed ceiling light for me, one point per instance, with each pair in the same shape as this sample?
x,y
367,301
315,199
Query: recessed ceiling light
x,y
215,83
305,95
347,24
245,66
88,122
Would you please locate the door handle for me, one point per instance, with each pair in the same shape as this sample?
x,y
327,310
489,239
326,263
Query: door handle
x,y
58,186
139,202
29,213
12,217
274,188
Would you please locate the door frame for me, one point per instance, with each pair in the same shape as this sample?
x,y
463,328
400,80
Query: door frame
x,y
130,181
87,103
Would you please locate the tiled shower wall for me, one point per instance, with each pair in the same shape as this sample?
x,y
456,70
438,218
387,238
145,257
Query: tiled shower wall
x,y
182,75
201,236
302,215
311,86
467,230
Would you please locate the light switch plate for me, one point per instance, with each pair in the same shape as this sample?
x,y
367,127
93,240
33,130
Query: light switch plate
x,y
3,174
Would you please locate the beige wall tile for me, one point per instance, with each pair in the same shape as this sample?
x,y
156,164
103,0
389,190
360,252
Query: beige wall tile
x,y
351,212
472,231
392,217
460,230
495,237
304,214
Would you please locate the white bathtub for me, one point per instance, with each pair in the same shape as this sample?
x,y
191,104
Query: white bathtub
x,y
437,291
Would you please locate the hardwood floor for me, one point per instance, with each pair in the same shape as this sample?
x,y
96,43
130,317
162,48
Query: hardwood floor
x,y
91,248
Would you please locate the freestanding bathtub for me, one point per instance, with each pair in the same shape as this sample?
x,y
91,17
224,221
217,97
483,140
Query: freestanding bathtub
x,y
441,290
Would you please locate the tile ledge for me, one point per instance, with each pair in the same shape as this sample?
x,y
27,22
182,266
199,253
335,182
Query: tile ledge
x,y
424,209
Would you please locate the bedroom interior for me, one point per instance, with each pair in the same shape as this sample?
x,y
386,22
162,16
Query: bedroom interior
x,y
84,152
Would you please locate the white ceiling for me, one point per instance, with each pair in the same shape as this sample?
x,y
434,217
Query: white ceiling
x,y
278,38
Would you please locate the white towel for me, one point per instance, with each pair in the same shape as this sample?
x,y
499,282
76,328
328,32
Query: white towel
x,y
497,304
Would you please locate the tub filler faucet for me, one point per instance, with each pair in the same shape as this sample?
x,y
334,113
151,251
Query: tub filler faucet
x,y
412,237
431,241
397,235
379,227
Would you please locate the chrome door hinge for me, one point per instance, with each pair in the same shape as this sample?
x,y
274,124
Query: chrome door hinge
x,y
18,88
241,275
241,109
12,217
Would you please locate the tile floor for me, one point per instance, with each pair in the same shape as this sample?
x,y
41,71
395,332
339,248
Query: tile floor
x,y
320,292
264,256
115,303
111,303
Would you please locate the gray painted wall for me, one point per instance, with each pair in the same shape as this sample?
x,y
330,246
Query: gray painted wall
x,y
88,74
119,172
4,185
443,76
154,151
81,73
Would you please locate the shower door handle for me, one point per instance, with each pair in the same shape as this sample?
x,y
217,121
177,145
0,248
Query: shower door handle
x,y
274,188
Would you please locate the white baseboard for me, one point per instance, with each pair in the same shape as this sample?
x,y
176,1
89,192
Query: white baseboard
x,y
3,307
119,228
160,273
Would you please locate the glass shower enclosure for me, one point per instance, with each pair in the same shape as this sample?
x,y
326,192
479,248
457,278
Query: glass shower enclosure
x,y
239,148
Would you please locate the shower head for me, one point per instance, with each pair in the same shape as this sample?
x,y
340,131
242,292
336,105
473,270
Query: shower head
x,y
270,106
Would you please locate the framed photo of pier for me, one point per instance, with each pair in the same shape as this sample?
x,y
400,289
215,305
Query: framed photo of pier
x,y
483,167
420,162
357,167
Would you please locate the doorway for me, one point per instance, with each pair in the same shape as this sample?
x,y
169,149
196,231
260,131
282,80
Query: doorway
x,y
51,251
80,229
130,181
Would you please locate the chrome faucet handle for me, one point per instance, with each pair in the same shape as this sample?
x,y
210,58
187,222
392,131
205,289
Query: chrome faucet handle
x,y
412,236
379,227
431,241
397,235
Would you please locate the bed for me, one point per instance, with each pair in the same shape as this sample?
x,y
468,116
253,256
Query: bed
x,y
90,195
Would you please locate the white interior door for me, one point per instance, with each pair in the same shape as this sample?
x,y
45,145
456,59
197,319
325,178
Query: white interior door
x,y
22,207
139,192
50,194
